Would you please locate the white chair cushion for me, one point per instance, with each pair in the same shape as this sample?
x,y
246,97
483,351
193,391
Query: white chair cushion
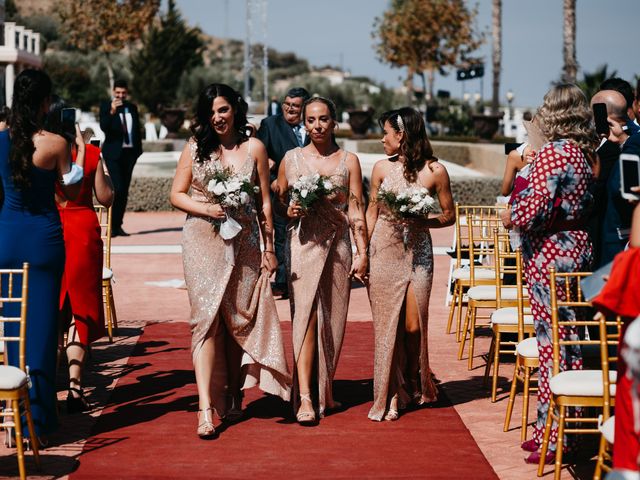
x,y
488,292
463,273
107,273
11,378
528,347
585,383
509,316
608,429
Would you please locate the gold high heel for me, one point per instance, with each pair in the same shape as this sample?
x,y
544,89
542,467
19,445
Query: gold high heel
x,y
392,414
205,428
306,418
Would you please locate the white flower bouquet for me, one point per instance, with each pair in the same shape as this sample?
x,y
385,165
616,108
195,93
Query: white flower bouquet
x,y
230,190
413,202
307,189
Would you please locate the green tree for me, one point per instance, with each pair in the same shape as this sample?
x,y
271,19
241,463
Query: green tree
x,y
107,26
426,36
591,81
170,50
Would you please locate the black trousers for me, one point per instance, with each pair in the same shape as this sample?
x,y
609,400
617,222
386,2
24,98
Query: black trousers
x,y
121,170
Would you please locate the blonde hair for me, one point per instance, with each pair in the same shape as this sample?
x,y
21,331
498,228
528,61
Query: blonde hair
x,y
565,114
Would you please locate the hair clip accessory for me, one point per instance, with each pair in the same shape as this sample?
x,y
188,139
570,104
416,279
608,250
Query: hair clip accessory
x,y
400,124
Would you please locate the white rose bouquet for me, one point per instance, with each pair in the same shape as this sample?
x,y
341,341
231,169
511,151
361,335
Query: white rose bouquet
x,y
413,202
309,188
230,190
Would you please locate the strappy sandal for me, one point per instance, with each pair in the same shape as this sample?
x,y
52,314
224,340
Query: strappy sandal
x,y
306,418
392,414
206,430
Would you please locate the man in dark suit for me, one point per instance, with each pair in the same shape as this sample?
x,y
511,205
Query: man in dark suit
x,y
281,133
122,146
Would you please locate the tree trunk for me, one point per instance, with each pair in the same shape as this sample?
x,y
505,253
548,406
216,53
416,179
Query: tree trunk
x,y
570,68
431,76
496,21
410,74
109,71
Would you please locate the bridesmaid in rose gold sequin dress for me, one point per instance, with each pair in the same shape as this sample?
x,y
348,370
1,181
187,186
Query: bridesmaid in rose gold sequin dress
x,y
401,266
320,259
236,340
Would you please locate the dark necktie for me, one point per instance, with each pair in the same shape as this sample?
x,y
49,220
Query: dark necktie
x,y
125,129
298,134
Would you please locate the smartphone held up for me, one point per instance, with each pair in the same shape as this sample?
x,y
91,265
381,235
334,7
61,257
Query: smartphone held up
x,y
600,119
68,120
629,176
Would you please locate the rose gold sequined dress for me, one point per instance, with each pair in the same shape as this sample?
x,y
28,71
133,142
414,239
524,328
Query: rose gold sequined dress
x,y
392,267
320,261
229,296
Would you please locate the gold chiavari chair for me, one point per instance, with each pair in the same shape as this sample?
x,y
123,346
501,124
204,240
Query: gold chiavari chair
x,y
111,318
508,314
481,295
464,268
14,381
608,342
576,388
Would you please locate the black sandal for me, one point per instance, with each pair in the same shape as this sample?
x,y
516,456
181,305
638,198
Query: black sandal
x,y
77,404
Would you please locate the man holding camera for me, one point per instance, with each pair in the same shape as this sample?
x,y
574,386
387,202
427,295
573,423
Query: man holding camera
x,y
122,146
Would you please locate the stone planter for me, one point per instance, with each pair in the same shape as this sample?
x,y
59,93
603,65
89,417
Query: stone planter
x,y
172,119
360,122
486,126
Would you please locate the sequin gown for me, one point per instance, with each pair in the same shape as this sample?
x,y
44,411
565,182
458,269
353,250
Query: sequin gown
x,y
229,295
554,236
392,268
319,253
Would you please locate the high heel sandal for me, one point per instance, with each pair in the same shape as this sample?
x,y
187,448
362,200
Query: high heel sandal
x,y
77,404
392,414
234,412
306,418
206,429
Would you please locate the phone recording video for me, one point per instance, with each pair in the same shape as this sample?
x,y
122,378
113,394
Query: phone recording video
x,y
95,142
629,175
68,120
600,118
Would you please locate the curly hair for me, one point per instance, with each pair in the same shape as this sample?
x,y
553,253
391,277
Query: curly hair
x,y
565,114
206,138
31,90
415,146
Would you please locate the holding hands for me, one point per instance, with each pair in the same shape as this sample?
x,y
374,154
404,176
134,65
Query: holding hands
x,y
360,268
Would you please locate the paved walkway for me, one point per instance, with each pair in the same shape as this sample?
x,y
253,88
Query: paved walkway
x,y
140,301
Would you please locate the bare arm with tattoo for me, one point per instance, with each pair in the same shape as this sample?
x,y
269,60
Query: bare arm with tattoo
x,y
263,202
357,218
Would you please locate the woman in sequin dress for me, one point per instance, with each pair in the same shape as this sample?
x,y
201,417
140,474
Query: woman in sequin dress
x,y
320,263
401,265
236,341
551,214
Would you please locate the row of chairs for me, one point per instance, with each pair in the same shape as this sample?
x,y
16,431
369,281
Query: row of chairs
x,y
483,266
14,381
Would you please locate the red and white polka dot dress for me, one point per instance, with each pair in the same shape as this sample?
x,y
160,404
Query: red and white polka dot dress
x,y
557,197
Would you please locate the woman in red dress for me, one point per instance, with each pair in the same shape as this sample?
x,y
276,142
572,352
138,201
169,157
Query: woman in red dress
x,y
81,307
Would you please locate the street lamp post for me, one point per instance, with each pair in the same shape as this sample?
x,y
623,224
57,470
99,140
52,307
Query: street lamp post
x,y
477,97
510,96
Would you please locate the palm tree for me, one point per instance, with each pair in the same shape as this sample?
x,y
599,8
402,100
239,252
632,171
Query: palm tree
x,y
496,22
591,81
570,68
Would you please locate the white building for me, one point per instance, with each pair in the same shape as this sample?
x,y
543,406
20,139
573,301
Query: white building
x,y
19,49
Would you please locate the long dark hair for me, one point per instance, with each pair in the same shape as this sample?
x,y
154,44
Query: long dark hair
x,y
31,89
206,138
415,146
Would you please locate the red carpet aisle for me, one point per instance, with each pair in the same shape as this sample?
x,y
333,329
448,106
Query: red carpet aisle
x,y
147,429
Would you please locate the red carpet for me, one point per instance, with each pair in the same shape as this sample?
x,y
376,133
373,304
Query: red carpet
x,y
147,430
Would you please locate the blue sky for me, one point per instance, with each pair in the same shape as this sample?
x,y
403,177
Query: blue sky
x,y
335,31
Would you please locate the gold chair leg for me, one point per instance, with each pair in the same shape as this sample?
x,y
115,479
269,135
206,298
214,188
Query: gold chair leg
x,y
525,403
452,307
545,438
32,431
560,443
487,367
114,315
106,287
512,395
463,339
601,450
472,337
19,442
459,312
496,367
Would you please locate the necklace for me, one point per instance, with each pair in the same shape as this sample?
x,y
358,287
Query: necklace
x,y
322,157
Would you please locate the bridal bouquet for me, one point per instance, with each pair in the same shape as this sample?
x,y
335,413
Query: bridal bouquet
x,y
309,188
413,202
230,190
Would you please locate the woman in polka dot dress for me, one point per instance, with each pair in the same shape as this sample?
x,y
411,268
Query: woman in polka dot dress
x,y
551,213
